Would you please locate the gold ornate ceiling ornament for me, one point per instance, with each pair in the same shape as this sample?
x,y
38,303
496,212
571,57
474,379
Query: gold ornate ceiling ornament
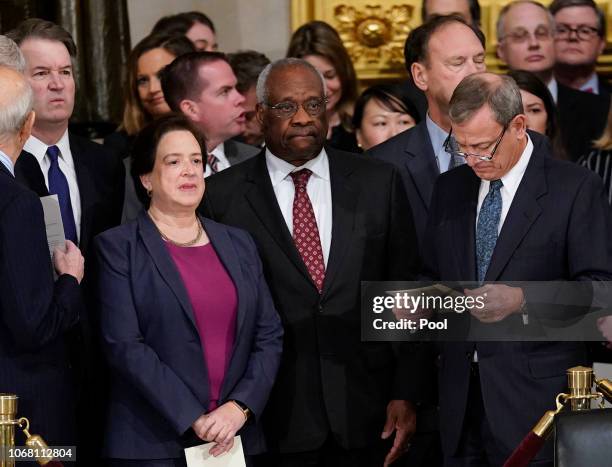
x,y
374,35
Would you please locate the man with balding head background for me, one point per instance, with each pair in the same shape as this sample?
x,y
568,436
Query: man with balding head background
x,y
35,311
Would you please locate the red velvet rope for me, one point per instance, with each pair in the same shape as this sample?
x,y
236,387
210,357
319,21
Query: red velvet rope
x,y
525,451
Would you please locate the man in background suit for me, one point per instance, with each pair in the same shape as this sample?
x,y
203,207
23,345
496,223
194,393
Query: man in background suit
x,y
202,86
85,176
579,41
439,54
513,213
35,312
323,220
88,180
526,32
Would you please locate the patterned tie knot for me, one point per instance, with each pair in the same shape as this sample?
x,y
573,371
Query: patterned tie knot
x,y
53,152
300,178
495,185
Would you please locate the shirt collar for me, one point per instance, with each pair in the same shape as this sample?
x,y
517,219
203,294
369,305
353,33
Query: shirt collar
x,y
219,151
553,87
279,169
514,176
436,134
8,163
39,149
592,83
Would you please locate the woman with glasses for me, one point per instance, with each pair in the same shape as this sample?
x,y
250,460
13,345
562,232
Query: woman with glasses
x,y
320,45
540,109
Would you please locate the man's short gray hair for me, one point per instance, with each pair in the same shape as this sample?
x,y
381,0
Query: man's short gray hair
x,y
10,54
499,92
262,90
499,27
14,109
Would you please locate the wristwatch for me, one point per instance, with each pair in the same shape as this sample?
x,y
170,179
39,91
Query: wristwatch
x,y
245,410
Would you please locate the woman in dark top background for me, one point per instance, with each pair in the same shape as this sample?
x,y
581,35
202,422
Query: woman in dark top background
x,y
191,335
144,98
540,109
320,45
381,112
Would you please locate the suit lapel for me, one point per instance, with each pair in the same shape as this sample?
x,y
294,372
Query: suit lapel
x,y
465,227
523,212
166,267
260,196
231,151
29,173
421,163
344,200
86,191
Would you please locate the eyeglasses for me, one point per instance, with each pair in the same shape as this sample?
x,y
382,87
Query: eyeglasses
x,y
583,32
287,109
451,146
520,35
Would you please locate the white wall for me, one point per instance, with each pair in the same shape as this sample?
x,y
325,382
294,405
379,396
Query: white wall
x,y
262,25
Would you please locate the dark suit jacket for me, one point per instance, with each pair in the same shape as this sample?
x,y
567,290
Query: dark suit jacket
x,y
582,119
35,313
329,381
558,228
411,152
100,176
159,383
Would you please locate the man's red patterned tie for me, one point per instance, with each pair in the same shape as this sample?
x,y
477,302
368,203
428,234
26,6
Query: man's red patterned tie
x,y
212,163
305,230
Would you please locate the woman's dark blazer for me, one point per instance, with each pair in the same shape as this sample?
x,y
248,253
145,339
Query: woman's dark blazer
x,y
159,384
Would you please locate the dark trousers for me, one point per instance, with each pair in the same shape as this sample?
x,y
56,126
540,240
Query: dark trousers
x,y
331,454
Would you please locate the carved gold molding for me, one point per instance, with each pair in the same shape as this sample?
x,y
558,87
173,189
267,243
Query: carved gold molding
x,y
374,32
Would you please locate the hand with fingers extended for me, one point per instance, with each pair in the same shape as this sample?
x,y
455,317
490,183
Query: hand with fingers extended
x,y
220,426
401,418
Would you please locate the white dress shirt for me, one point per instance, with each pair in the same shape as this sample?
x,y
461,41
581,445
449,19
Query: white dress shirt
x,y
438,137
222,162
318,188
7,162
39,150
591,85
511,182
553,87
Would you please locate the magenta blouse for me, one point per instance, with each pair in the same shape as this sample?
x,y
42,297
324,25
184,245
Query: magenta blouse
x,y
214,302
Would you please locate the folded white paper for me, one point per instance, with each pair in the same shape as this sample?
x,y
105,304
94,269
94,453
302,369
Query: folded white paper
x,y
53,223
198,456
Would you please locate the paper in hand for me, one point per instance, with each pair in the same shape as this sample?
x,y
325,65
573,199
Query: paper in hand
x,y
198,456
53,223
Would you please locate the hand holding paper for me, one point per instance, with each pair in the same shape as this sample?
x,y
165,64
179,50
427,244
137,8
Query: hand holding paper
x,y
200,456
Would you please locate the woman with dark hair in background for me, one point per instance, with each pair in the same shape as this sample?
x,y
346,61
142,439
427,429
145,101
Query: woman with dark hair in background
x,y
320,45
194,25
144,98
540,109
190,331
381,112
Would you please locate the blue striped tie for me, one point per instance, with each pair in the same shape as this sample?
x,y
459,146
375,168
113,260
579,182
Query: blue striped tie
x,y
58,185
486,228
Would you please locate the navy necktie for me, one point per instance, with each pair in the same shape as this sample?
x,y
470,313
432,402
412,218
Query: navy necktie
x,y
486,228
58,185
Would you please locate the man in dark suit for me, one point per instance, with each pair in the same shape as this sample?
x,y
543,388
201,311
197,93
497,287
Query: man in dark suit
x,y
35,312
202,86
419,153
526,32
323,220
579,41
513,213
85,176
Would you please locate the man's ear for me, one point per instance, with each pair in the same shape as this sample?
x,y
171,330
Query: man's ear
x,y
190,109
419,75
520,125
501,53
260,110
26,128
146,182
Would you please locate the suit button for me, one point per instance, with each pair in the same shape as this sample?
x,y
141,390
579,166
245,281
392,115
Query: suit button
x,y
320,307
469,355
